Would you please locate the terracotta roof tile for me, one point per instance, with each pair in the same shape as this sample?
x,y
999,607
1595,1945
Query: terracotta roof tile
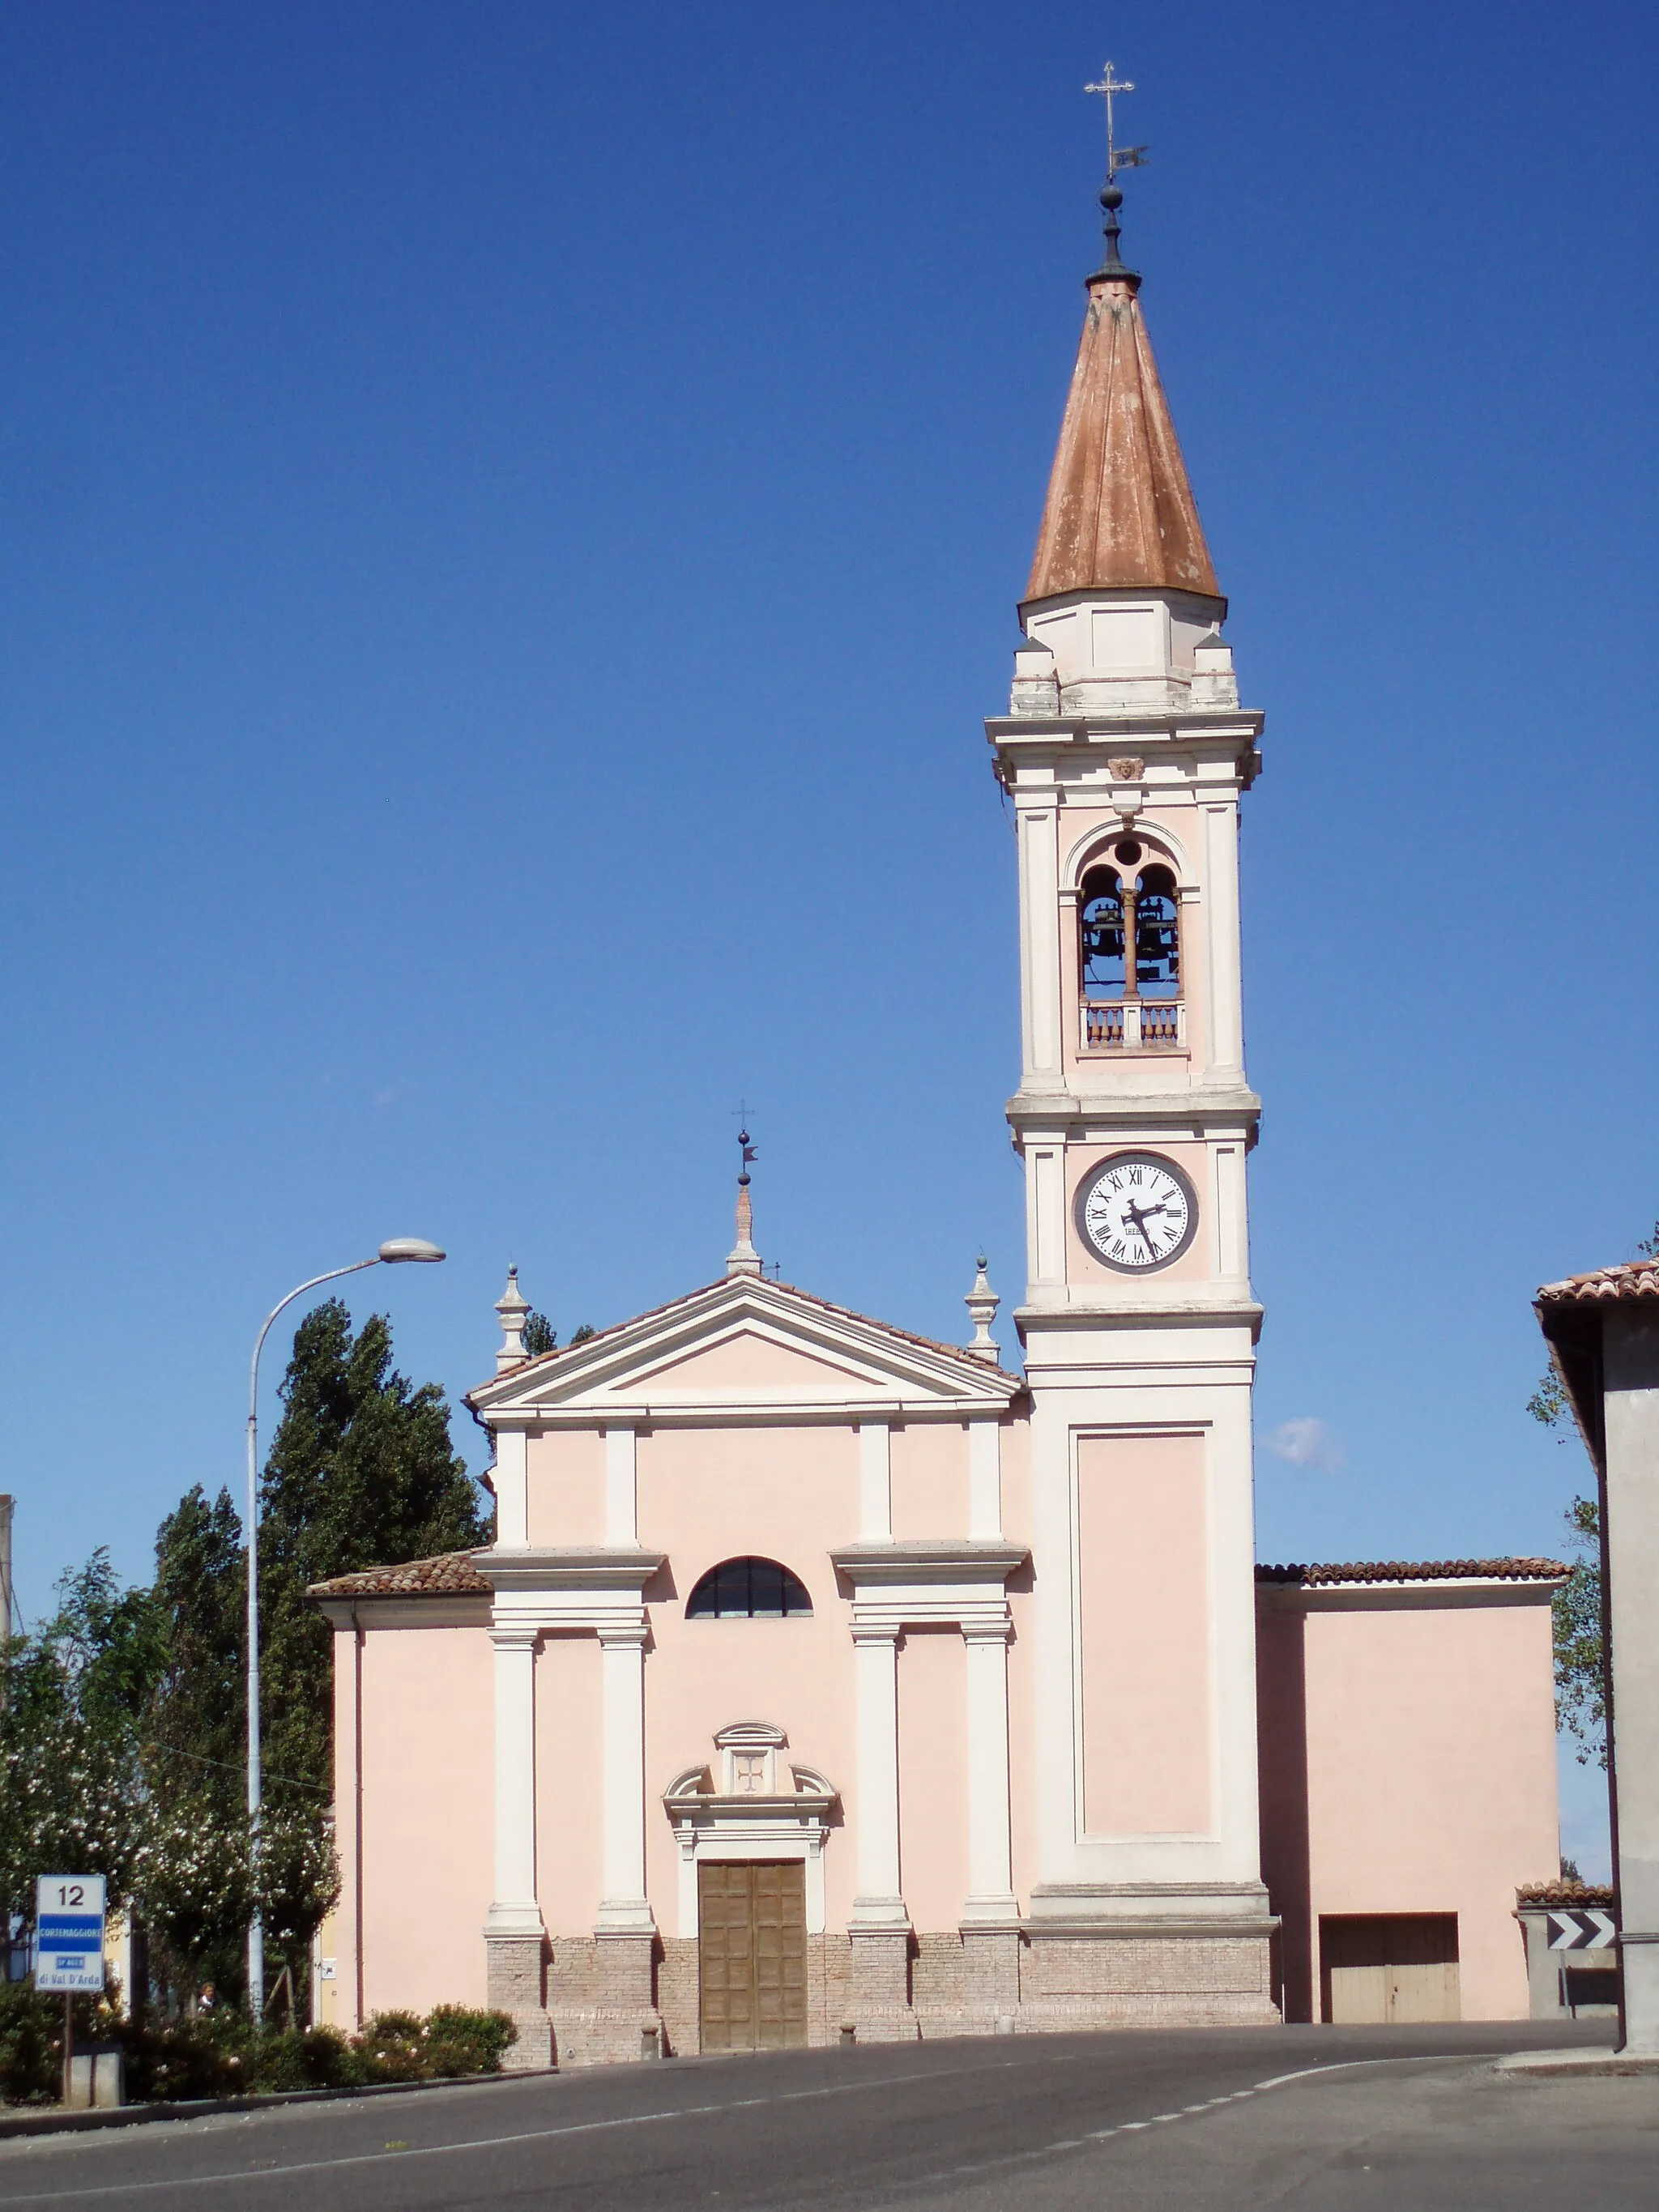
x,y
451,1574
1564,1893
1637,1278
1417,1571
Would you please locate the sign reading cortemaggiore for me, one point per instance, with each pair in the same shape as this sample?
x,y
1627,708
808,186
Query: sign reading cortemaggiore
x,y
69,1932
1581,1929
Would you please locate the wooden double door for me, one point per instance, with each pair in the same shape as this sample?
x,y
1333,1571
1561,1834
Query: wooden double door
x,y
751,1928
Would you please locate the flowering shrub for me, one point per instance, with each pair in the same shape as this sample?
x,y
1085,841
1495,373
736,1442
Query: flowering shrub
x,y
219,2054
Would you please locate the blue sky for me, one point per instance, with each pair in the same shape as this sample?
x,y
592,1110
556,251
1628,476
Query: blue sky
x,y
510,518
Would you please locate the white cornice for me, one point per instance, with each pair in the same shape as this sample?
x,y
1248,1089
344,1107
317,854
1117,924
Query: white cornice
x,y
588,1567
759,1413
1207,1112
441,1609
873,1370
877,1565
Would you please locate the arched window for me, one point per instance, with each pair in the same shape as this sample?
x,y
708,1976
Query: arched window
x,y
1100,920
1132,1000
747,1589
1158,934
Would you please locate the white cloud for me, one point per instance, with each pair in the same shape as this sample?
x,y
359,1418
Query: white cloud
x,y
1307,1442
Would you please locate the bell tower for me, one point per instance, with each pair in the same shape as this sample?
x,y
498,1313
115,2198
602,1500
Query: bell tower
x,y
1125,753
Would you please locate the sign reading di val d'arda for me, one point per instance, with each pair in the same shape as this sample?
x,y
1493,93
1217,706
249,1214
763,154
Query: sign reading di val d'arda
x,y
69,1927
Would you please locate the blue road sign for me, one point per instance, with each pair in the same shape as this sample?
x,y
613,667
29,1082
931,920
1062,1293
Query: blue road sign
x,y
69,1932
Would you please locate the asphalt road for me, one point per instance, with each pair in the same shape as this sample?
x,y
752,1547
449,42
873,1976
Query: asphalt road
x,y
1339,2118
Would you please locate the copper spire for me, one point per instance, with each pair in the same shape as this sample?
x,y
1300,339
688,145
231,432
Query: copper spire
x,y
1120,514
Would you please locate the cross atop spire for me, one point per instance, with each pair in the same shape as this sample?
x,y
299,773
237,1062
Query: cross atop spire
x,y
1117,157
743,1259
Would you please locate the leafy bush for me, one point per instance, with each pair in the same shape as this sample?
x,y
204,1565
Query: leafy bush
x,y
466,2041
394,2047
179,2059
220,2054
30,2037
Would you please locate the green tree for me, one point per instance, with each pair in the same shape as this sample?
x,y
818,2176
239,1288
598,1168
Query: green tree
x,y
74,1695
1581,1687
199,1721
540,1335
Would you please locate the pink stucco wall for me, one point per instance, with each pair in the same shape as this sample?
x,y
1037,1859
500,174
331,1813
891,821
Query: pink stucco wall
x,y
929,1464
710,1494
564,1488
1144,1572
426,1834
933,1719
1022,1657
1408,1765
569,1754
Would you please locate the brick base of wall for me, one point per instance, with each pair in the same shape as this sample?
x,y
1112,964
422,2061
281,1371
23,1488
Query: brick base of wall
x,y
602,1999
613,1999
513,1970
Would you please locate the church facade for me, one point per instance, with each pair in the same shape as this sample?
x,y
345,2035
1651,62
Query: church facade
x,y
825,1680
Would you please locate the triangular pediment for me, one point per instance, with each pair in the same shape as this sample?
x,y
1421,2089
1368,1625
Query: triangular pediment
x,y
749,1361
745,1346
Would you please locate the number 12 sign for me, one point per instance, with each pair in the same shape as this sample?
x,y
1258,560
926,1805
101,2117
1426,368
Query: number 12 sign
x,y
69,1932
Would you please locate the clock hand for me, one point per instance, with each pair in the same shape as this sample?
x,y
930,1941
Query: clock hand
x,y
1140,1217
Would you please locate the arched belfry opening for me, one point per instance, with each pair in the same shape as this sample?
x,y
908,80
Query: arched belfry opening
x,y
1129,950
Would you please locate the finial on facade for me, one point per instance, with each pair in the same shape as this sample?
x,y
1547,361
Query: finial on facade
x,y
512,1307
743,1259
1117,157
982,1303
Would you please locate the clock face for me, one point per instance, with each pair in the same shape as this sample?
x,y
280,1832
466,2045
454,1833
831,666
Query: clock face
x,y
1137,1212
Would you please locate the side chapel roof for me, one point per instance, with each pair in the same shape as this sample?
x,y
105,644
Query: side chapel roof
x,y
1637,1278
451,1574
1417,1571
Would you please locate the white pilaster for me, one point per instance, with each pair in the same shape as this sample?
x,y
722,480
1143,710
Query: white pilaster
x,y
1045,1216
622,1524
879,1904
984,1482
990,1874
624,1910
514,1910
1224,1027
512,1487
875,1483
1039,881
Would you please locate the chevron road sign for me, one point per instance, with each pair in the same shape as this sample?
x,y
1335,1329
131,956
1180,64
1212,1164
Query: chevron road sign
x,y
1583,1931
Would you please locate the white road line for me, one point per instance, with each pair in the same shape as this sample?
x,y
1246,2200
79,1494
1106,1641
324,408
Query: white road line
x,y
1346,2065
734,2105
497,2143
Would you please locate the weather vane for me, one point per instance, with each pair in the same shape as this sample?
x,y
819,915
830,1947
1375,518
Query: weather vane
x,y
1117,157
740,1114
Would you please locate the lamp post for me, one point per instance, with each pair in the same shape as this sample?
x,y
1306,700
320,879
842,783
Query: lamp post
x,y
394,1252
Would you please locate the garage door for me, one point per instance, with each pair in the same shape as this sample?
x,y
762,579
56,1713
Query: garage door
x,y
1389,1966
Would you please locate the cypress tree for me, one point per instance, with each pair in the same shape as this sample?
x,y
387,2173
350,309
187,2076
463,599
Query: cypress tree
x,y
362,1473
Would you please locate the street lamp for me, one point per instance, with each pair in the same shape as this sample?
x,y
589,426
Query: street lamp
x,y
393,1253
